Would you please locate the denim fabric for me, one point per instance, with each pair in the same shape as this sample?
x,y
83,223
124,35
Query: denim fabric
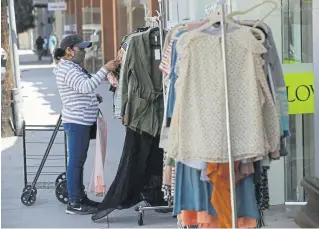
x,y
78,141
191,193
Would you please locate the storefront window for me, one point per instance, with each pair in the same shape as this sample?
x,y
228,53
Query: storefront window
x,y
297,54
92,31
130,15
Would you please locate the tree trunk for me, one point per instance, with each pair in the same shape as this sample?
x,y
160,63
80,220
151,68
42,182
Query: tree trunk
x,y
7,83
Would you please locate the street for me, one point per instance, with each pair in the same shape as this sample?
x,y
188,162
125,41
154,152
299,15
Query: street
x,y
41,105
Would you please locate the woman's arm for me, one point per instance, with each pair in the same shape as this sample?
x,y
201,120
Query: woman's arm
x,y
80,82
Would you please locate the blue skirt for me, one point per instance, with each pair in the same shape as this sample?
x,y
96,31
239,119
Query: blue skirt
x,y
193,194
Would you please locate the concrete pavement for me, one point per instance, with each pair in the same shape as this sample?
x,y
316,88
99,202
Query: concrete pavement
x,y
42,106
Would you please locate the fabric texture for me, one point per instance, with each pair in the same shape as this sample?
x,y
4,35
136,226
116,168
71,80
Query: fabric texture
x,y
204,220
112,79
206,80
118,92
142,92
139,175
76,89
97,183
199,194
262,189
273,67
78,140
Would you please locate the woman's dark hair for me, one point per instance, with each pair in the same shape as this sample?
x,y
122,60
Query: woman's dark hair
x,y
58,53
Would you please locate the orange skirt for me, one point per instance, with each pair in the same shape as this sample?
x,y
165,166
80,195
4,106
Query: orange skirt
x,y
204,220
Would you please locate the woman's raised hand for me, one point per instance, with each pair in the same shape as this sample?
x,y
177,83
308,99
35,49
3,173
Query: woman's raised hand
x,y
112,65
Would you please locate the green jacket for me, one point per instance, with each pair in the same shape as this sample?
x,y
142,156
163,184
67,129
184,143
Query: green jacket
x,y
142,90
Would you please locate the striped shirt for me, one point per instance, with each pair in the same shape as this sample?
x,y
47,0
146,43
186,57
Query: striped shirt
x,y
76,88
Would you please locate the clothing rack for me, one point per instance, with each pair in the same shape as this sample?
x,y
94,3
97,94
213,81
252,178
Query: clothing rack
x,y
142,209
230,156
156,19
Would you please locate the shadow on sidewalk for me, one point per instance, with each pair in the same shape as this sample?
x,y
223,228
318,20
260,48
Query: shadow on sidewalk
x,y
41,100
30,59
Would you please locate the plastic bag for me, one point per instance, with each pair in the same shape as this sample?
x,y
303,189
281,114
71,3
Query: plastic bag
x,y
97,183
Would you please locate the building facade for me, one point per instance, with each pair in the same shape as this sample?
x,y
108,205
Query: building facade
x,y
105,22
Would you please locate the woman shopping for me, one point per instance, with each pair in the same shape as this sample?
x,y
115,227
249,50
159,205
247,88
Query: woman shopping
x,y
79,113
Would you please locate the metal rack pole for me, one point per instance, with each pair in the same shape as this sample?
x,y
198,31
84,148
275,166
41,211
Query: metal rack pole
x,y
160,22
230,156
161,28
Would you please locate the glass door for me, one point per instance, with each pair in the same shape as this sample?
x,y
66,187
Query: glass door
x,y
297,59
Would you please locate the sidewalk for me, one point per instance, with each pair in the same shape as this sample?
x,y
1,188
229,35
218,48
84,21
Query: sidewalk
x,y
42,106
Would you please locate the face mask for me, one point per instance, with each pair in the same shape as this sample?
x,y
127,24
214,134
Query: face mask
x,y
79,57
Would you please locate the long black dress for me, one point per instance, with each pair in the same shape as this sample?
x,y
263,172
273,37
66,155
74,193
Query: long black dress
x,y
139,175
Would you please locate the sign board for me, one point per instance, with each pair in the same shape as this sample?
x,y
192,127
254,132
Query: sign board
x,y
70,28
300,92
57,6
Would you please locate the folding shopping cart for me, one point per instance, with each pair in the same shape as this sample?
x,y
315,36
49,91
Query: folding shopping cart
x,y
29,191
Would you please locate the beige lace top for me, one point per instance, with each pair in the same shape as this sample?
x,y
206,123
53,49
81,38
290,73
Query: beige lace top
x,y
198,126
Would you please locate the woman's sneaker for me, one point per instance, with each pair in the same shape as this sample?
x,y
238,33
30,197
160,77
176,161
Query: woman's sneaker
x,y
86,201
76,208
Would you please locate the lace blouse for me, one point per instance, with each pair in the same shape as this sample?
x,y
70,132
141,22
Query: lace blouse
x,y
198,126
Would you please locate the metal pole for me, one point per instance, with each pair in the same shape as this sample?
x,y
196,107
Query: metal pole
x,y
230,156
160,22
16,91
32,39
161,28
229,6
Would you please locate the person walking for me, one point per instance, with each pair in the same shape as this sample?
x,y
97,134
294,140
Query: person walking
x,y
39,45
80,110
45,46
53,43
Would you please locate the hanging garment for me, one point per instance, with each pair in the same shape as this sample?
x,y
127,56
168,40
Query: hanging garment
x,y
167,182
142,90
205,220
181,226
118,93
112,79
200,95
139,175
273,67
97,184
191,193
198,196
263,189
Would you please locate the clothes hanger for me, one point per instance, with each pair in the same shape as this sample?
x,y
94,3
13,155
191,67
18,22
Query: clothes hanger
x,y
231,15
214,18
267,15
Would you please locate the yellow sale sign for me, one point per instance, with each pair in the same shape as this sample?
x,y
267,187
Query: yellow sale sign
x,y
300,92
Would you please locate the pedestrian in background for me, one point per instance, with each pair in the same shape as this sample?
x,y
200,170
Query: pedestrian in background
x,y
46,46
39,45
53,44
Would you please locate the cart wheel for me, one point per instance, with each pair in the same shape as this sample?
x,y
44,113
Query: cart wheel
x,y
28,187
60,178
140,219
28,198
61,192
